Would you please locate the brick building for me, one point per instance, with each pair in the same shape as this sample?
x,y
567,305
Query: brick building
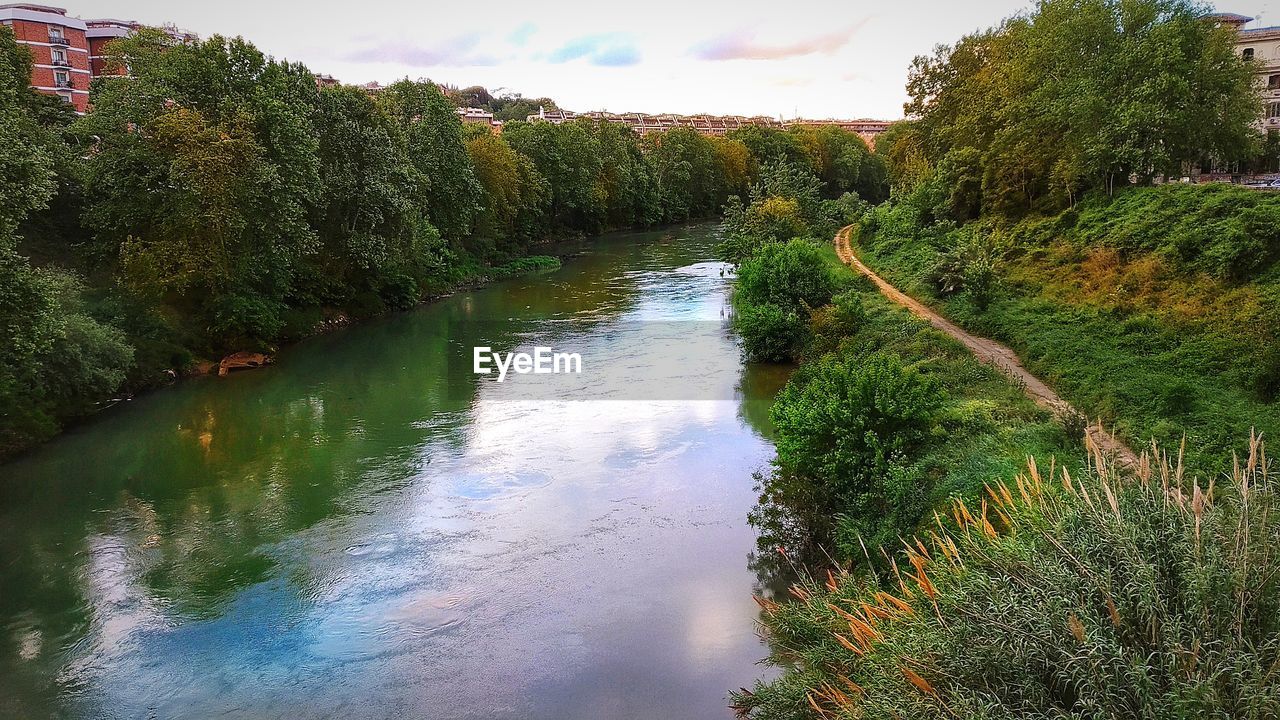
x,y
103,31
59,50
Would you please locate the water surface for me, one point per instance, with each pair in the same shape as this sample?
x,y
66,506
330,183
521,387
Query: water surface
x,y
366,529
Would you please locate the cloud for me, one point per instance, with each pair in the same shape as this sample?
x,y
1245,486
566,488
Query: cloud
x,y
575,49
521,35
743,45
617,56
459,51
608,50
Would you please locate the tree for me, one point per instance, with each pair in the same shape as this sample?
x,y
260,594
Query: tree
x,y
515,193
202,176
771,145
568,157
1084,94
55,360
777,289
433,134
842,161
689,171
373,234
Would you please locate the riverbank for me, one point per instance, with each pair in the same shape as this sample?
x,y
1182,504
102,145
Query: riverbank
x,y
862,463
1118,305
368,524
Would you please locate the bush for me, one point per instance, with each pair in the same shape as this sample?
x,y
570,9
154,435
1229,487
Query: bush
x,y
1103,596
972,266
776,290
769,333
57,361
793,275
846,428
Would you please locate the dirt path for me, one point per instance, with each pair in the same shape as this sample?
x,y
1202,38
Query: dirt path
x,y
1097,439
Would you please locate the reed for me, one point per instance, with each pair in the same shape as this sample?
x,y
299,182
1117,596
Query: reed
x,y
1107,593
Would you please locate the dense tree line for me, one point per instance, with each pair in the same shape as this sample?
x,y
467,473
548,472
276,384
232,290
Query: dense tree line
x,y
214,199
1071,96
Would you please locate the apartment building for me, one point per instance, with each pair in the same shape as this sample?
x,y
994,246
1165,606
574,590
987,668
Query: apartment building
x,y
1261,45
59,50
103,31
715,125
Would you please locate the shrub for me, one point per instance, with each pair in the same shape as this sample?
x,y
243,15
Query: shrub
x,y
793,275
846,428
769,333
1103,596
970,266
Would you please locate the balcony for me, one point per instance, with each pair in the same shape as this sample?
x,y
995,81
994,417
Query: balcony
x,y
60,40
60,62
64,84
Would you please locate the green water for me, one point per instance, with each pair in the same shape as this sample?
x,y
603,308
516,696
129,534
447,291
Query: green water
x,y
369,529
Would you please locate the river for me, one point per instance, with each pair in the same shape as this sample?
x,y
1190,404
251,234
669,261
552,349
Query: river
x,y
368,529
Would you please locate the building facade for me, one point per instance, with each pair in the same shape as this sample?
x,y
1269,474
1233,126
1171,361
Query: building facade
x,y
1261,46
59,50
103,31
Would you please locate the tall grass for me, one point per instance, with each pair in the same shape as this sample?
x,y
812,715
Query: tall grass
x,y
1099,594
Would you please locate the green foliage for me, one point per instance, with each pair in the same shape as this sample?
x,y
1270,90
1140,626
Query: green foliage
x,y
977,425
785,203
1229,231
970,266
1121,304
515,193
843,162
690,171
56,360
791,275
776,290
1074,95
770,333
1145,597
433,135
848,426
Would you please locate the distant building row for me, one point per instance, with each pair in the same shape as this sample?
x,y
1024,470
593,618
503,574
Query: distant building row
x,y
706,124
68,53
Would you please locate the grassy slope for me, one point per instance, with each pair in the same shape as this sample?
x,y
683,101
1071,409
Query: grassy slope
x,y
990,427
1125,327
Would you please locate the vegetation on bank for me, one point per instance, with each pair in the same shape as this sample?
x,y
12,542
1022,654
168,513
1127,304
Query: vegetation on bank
x,y
885,419
1061,594
1026,203
215,200
1156,311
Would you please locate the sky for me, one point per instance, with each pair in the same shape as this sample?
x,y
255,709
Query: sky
x,y
783,58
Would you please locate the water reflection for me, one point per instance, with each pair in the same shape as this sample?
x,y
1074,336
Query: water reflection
x,y
360,531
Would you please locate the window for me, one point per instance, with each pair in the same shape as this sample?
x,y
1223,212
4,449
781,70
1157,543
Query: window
x,y
56,32
1247,54
66,97
61,79
59,57
1273,110
1273,82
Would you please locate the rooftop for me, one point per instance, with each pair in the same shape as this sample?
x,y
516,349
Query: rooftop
x,y
37,8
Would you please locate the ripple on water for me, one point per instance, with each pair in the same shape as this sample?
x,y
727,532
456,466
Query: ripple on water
x,y
706,269
427,614
376,549
488,486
